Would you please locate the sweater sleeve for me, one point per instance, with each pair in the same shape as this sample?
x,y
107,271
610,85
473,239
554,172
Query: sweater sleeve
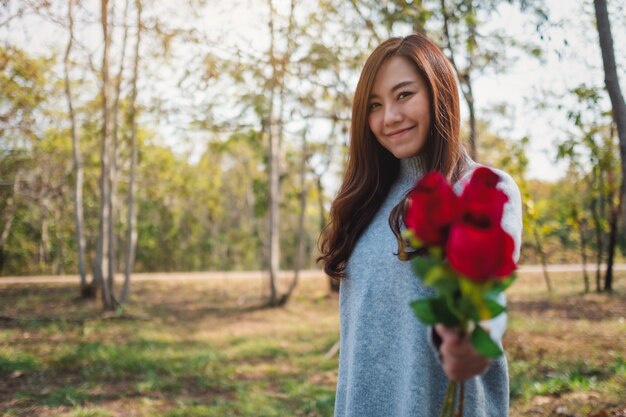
x,y
512,224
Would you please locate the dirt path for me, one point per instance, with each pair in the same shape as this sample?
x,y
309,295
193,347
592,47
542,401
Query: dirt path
x,y
163,276
247,275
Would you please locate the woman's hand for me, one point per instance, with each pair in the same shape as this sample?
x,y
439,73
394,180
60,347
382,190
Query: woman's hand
x,y
460,360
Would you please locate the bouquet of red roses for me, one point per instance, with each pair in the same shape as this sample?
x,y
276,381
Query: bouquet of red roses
x,y
468,261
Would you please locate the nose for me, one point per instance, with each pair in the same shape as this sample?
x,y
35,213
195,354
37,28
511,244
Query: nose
x,y
392,115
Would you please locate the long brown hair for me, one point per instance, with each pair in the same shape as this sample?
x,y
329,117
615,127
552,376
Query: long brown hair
x,y
371,169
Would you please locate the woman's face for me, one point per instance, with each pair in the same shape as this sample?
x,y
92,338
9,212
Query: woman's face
x,y
399,108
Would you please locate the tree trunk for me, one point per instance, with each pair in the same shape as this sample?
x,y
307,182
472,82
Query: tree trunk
x,y
333,284
114,157
274,173
131,234
608,275
86,290
9,216
544,260
102,254
60,245
611,81
464,76
469,100
418,25
599,241
583,251
44,243
284,62
614,217
320,202
468,93
300,243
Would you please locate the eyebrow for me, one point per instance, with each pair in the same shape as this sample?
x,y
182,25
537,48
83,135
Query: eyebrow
x,y
395,87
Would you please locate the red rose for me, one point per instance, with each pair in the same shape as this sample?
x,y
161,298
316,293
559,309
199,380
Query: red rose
x,y
480,249
481,195
432,208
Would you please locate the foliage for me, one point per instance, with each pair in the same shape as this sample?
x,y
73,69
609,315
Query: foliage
x,y
203,175
591,150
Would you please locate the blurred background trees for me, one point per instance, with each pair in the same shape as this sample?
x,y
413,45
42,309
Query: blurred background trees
x,y
227,152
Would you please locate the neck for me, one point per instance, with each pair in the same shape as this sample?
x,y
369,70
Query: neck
x,y
412,168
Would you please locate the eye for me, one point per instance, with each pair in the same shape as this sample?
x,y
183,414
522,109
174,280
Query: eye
x,y
405,94
373,106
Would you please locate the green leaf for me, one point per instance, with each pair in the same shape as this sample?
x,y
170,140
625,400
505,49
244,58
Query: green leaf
x,y
434,274
442,279
501,286
487,309
467,308
423,264
445,285
423,310
434,310
443,313
453,304
495,308
483,343
483,298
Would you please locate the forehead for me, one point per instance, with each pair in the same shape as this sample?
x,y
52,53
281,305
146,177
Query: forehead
x,y
393,71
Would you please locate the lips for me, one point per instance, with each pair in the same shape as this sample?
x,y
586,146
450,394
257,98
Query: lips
x,y
399,132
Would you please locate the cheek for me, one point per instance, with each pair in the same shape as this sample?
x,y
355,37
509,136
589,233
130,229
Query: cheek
x,y
428,121
424,118
373,122
426,113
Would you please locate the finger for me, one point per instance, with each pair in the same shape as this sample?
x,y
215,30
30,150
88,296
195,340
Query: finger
x,y
447,334
459,346
458,350
461,370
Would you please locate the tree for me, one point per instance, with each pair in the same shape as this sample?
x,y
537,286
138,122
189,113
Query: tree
x,y
274,156
86,290
131,234
458,26
23,82
611,80
591,150
101,269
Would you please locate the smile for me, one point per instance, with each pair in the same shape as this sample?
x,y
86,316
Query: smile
x,y
399,132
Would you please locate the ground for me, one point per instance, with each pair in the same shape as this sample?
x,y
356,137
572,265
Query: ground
x,y
203,348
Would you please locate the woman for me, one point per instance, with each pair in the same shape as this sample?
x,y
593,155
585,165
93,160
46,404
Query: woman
x,y
405,123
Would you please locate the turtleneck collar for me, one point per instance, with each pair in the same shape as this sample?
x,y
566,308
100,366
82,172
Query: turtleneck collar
x,y
411,169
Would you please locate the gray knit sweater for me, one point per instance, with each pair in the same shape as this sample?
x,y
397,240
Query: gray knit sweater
x,y
387,364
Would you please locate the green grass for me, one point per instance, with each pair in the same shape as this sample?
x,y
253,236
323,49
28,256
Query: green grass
x,y
17,362
528,380
566,349
203,353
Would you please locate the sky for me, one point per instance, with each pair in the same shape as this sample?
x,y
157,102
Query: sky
x,y
571,56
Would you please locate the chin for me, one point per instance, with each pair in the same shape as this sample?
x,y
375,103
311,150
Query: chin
x,y
405,154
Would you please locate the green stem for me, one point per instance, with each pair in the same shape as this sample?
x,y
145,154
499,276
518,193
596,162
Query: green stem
x,y
447,408
459,413
449,399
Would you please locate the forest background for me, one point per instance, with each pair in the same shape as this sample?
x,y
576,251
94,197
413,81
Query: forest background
x,y
198,135
143,140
